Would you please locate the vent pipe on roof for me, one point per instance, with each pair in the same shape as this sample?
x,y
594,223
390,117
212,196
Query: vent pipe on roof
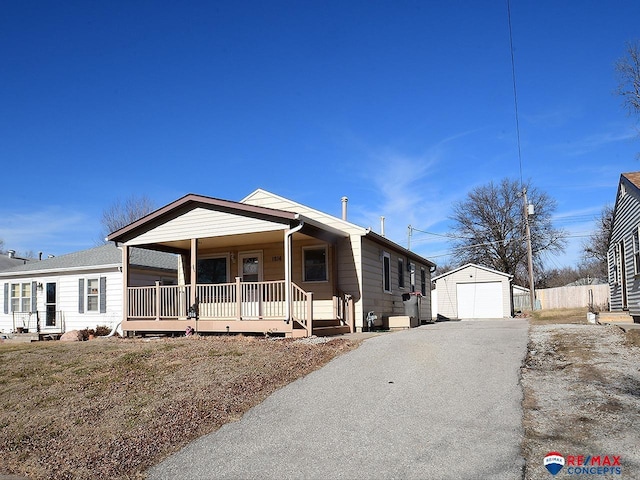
x,y
344,208
39,255
11,253
382,226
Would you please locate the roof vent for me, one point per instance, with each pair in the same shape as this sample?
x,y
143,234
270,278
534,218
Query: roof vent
x,y
11,253
344,208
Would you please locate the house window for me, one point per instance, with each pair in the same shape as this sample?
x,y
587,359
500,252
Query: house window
x,y
423,281
412,276
212,270
93,294
21,297
386,272
612,266
619,253
315,264
636,251
400,273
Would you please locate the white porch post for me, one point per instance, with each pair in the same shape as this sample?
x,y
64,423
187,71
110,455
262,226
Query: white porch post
x,y
125,283
287,276
288,235
194,271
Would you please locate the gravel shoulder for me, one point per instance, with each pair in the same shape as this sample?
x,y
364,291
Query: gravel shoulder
x,y
581,397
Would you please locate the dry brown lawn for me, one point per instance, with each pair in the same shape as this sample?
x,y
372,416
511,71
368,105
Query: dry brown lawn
x,y
111,408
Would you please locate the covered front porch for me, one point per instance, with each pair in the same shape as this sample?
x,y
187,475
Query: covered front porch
x,y
241,269
238,307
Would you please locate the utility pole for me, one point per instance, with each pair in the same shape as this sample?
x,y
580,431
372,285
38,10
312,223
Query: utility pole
x,y
409,232
532,291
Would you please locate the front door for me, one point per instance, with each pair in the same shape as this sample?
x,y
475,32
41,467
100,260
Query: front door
x,y
250,272
50,305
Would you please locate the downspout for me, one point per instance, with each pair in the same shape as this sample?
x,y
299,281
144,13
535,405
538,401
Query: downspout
x,y
287,269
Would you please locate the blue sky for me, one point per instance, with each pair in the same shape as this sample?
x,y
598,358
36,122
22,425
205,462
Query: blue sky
x,y
403,107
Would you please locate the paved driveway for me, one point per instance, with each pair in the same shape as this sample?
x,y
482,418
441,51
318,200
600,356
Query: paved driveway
x,y
440,401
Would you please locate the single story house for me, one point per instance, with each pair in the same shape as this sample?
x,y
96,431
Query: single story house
x,y
10,260
624,248
269,264
474,291
78,290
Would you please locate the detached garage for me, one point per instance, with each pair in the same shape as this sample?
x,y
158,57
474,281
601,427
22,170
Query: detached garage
x,y
473,291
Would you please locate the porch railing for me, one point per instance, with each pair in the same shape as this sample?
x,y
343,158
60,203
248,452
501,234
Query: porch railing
x,y
343,309
50,321
238,300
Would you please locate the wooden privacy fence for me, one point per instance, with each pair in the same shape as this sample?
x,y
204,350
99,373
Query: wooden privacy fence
x,y
566,297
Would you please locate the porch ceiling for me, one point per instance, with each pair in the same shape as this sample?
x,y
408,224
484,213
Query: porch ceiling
x,y
229,241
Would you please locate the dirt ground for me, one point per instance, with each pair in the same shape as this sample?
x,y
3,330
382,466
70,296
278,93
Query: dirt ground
x,y
581,398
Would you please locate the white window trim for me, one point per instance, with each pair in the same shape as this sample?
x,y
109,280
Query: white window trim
x,y
635,240
386,255
412,277
86,296
326,263
20,298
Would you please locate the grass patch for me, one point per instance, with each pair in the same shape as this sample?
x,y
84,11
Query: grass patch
x,y
113,408
559,315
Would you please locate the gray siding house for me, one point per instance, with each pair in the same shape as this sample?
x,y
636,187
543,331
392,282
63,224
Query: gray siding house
x,y
624,248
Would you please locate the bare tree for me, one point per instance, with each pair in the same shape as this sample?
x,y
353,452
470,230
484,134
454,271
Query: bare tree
x,y
595,249
123,212
628,70
489,227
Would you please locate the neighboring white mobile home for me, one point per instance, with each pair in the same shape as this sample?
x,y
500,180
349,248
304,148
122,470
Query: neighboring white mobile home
x,y
76,291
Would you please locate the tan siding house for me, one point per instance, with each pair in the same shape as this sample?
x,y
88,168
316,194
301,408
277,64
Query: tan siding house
x,y
269,264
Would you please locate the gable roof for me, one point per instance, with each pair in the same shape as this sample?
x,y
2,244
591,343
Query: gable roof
x,y
486,269
189,202
104,256
261,196
633,177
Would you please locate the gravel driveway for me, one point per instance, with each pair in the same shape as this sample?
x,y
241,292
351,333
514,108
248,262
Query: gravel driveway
x,y
439,401
582,385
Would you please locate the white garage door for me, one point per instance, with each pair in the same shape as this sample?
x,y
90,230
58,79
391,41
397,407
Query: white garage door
x,y
480,300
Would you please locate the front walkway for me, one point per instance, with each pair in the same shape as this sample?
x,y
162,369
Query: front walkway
x,y
439,401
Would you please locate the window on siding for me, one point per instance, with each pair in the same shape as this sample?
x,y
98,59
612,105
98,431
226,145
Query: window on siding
x,y
386,272
400,273
412,276
315,264
636,251
21,297
423,281
93,294
611,264
212,270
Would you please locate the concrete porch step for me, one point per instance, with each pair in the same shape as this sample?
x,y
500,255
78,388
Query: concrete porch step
x,y
23,337
330,331
614,317
326,328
